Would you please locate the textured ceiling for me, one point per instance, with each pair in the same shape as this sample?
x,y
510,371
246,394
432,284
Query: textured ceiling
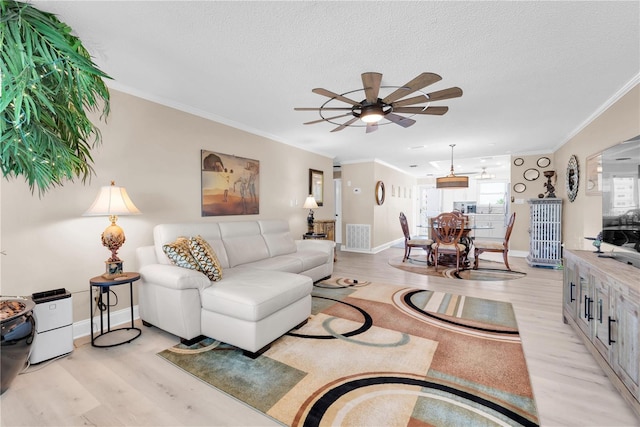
x,y
533,73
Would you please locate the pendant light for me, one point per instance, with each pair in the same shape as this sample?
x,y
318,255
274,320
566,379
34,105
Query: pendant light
x,y
451,180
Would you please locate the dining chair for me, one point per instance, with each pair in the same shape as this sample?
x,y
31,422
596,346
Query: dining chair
x,y
493,246
446,230
413,243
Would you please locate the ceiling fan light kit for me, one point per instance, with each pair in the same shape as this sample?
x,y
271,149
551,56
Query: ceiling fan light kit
x,y
372,109
451,180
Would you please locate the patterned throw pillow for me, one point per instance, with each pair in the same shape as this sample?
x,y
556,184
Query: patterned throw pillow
x,y
180,254
206,258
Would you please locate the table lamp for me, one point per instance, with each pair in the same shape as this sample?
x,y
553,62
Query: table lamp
x,y
112,201
310,203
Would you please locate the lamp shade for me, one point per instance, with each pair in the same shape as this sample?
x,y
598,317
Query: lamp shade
x,y
112,200
451,180
310,203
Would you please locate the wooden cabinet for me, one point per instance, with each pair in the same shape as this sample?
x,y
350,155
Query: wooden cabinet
x,y
328,228
601,301
325,226
545,232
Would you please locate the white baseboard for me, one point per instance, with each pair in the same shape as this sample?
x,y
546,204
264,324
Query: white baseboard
x,y
375,250
82,328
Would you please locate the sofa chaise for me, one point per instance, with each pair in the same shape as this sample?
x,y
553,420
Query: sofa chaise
x,y
264,292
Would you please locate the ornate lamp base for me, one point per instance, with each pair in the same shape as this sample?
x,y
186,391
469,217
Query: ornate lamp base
x,y
114,269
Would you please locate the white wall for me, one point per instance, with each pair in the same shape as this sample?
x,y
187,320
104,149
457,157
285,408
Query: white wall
x,y
153,151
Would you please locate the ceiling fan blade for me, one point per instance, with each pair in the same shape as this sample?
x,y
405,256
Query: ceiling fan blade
x,y
410,101
405,122
436,111
452,92
327,119
423,80
371,84
372,127
344,125
330,94
323,109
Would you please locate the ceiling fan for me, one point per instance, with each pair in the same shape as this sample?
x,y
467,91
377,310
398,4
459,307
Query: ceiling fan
x,y
372,109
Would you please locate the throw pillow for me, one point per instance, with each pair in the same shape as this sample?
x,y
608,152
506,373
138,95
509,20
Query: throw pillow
x,y
180,254
206,258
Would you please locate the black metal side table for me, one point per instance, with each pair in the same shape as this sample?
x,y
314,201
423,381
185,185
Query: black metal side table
x,y
104,285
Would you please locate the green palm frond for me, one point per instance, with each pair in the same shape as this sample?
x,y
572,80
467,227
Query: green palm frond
x,y
47,83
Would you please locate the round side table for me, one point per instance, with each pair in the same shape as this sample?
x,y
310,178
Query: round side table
x,y
104,286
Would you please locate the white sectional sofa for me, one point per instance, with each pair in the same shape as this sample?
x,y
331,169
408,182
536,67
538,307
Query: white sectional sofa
x,y
265,291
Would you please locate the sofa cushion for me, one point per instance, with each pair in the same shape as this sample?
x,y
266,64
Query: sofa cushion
x,y
206,258
277,237
243,242
180,254
287,263
167,233
251,295
310,258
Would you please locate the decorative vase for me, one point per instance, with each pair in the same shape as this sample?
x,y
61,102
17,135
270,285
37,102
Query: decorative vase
x,y
18,331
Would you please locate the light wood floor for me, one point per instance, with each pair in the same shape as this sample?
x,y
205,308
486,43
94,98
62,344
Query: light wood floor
x,y
129,385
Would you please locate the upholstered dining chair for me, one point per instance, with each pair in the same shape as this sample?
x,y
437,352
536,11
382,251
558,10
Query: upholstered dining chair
x,y
413,243
492,246
446,230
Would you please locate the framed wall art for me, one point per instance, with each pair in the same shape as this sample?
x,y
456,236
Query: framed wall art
x,y
230,185
316,185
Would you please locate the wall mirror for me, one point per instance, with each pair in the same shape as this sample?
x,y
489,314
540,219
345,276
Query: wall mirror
x,y
593,183
518,161
380,192
519,188
531,174
572,178
316,185
543,162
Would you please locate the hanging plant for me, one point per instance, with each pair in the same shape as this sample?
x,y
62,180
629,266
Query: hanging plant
x,y
48,82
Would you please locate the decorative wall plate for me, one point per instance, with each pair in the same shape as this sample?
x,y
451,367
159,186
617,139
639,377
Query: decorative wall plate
x,y
519,187
543,162
572,178
531,174
518,161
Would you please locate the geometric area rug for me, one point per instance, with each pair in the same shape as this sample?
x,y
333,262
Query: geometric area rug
x,y
380,355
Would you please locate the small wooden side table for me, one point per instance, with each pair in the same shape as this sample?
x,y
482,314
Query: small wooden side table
x,y
104,286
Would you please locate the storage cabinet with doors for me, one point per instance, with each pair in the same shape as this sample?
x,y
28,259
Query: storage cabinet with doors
x,y
601,301
545,232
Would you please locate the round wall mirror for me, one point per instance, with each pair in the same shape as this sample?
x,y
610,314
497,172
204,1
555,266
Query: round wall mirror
x,y
572,178
543,162
379,192
518,161
531,174
519,188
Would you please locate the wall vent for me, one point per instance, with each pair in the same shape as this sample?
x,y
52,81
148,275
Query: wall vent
x,y
359,237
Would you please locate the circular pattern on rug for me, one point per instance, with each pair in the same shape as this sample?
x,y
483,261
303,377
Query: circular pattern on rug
x,y
367,323
494,273
437,403
199,347
341,282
